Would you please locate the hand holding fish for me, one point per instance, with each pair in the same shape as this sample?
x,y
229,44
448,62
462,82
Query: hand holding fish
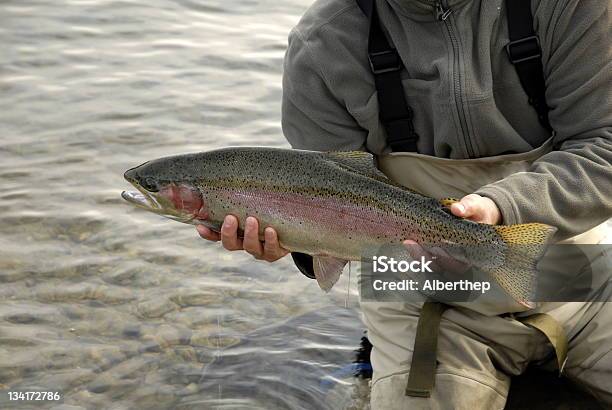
x,y
478,209
472,207
269,250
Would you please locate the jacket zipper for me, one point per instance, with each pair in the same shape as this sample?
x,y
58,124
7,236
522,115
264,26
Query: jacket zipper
x,y
441,11
444,13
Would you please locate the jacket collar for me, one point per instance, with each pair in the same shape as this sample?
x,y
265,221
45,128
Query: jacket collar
x,y
423,9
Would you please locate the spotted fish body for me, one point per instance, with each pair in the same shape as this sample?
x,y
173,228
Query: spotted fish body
x,y
330,205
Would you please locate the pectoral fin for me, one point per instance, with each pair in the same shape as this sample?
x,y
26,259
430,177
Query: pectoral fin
x,y
327,270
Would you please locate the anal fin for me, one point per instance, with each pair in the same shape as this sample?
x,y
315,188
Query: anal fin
x,y
327,270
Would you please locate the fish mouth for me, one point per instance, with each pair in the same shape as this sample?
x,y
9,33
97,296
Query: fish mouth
x,y
155,202
141,200
144,199
149,201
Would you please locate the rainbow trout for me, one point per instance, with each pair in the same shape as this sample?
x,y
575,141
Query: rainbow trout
x,y
331,205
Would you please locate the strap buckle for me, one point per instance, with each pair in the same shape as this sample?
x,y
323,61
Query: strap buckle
x,y
524,49
385,61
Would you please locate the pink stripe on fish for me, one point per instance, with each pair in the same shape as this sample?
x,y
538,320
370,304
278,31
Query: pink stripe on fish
x,y
342,217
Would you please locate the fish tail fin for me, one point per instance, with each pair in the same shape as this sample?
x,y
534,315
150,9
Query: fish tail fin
x,y
525,246
526,234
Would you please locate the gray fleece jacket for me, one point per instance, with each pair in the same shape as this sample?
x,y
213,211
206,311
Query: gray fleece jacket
x,y
466,96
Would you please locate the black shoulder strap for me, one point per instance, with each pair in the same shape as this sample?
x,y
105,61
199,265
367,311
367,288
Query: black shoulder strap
x,y
525,54
393,110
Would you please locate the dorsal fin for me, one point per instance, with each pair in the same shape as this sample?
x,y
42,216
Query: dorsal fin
x,y
362,163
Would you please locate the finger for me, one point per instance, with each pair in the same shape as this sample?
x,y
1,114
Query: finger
x,y
251,241
272,248
207,233
458,209
468,207
229,234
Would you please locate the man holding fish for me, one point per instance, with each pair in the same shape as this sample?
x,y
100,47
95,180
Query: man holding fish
x,y
503,104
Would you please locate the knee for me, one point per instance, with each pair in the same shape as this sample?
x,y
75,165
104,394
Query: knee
x,y
451,391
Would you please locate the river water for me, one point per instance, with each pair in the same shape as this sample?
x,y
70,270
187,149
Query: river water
x,y
113,307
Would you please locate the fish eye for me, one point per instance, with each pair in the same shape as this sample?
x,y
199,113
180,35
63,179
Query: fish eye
x,y
149,184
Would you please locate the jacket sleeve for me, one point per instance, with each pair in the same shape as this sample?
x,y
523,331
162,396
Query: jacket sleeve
x,y
313,117
571,187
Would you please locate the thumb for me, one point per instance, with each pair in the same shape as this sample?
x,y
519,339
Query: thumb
x,y
458,209
467,207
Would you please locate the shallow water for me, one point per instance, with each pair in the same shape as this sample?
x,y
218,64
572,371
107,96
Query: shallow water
x,y
114,307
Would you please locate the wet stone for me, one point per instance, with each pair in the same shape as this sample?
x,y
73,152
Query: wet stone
x,y
95,303
167,335
193,317
150,397
155,378
124,274
197,298
84,291
205,356
150,347
66,379
186,373
63,357
74,312
107,383
13,276
121,377
17,341
23,318
135,366
155,308
9,374
16,336
188,390
132,331
106,356
31,361
213,341
145,281
186,353
112,295
89,399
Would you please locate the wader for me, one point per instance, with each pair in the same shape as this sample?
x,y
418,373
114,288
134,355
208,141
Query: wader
x,y
473,354
470,351
462,357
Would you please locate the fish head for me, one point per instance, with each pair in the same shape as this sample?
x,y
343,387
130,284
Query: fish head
x,y
166,187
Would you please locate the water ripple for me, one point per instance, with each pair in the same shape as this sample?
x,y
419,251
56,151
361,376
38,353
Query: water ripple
x,y
105,303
